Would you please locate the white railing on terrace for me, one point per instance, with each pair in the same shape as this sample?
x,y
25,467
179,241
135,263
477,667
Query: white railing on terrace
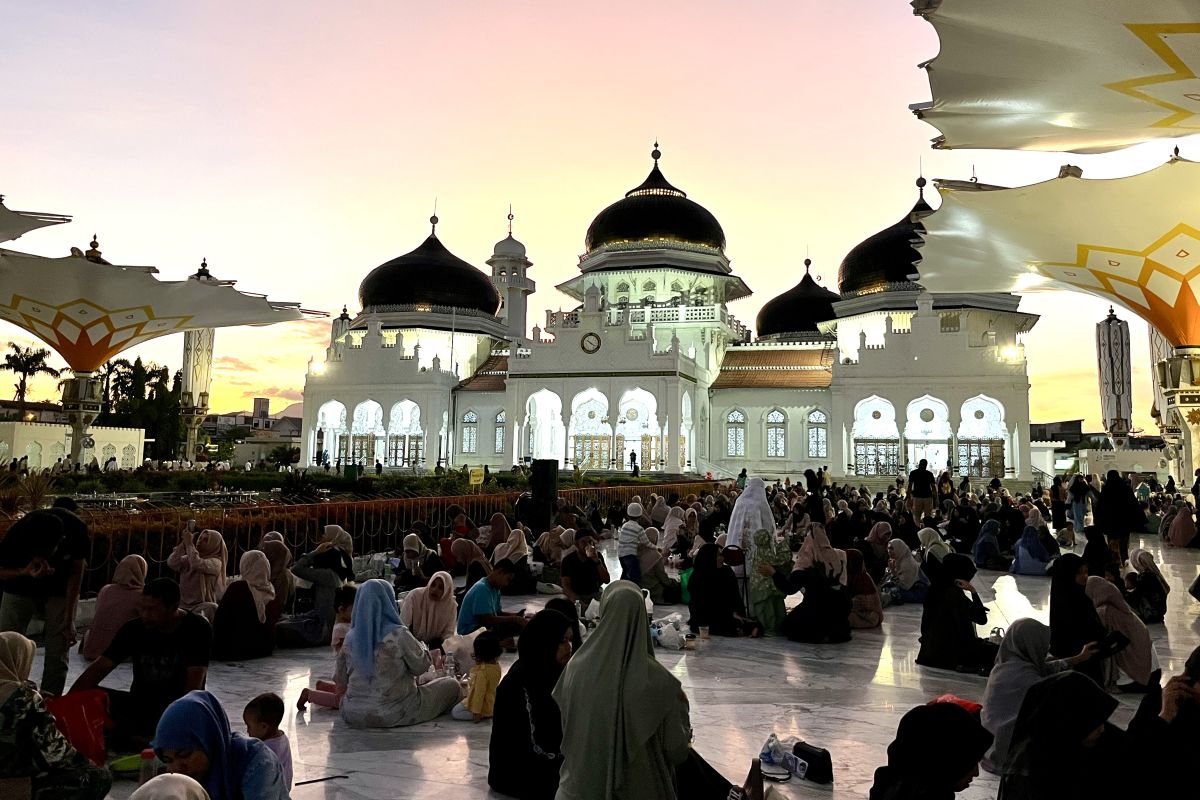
x,y
657,314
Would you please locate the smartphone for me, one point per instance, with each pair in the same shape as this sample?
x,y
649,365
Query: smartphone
x,y
1112,644
192,525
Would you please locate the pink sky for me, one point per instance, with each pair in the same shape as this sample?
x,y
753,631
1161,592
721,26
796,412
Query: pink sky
x,y
297,148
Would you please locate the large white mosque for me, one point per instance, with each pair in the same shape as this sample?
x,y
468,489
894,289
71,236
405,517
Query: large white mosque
x,y
438,366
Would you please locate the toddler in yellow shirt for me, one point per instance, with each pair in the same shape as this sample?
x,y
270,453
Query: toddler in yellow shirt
x,y
482,680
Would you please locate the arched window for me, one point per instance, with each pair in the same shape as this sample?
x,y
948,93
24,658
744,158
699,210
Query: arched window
x,y
622,287
818,434
735,433
500,419
776,434
648,286
470,437
676,286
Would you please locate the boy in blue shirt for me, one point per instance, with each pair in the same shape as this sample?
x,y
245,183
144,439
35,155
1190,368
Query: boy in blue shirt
x,y
480,607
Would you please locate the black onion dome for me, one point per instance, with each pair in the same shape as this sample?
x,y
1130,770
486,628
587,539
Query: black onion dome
x,y
429,275
799,309
656,210
888,256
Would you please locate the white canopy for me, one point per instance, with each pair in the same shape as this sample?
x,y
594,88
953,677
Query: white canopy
x,y
15,224
1134,241
89,311
1082,76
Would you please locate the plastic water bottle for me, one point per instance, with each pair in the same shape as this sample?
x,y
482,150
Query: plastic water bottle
x,y
150,766
649,604
450,666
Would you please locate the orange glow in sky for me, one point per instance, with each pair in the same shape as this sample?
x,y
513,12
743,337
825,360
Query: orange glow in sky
x,y
297,145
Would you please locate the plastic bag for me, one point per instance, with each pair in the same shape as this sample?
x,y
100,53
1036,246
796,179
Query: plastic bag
x,y
669,638
592,611
81,717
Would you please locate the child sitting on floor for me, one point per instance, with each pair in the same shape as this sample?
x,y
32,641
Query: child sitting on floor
x,y
482,680
262,716
328,694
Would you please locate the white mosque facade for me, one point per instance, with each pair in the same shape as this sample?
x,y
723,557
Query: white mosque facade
x,y
438,367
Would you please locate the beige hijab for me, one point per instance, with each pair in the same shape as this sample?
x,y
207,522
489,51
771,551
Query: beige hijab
x,y
210,544
413,542
429,619
16,660
130,573
515,548
340,538
817,549
1136,659
550,544
256,572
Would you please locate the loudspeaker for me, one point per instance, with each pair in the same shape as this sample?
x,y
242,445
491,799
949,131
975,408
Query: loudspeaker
x,y
543,488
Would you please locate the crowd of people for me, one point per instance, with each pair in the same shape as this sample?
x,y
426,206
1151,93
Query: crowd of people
x,y
426,642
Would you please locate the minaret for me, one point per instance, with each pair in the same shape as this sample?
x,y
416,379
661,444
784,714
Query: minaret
x,y
1116,381
510,274
197,373
339,327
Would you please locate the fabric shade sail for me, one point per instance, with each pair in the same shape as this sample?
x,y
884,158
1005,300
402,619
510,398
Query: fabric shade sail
x,y
15,224
1083,76
88,312
1134,241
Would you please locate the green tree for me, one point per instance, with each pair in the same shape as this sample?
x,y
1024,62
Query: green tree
x,y
227,441
283,455
26,363
148,396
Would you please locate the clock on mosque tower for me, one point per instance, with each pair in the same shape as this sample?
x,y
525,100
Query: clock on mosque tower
x,y
590,342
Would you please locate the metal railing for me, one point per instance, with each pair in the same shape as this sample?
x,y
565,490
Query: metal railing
x,y
376,525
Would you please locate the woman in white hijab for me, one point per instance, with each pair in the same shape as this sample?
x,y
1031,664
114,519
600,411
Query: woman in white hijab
x,y
625,718
1023,660
751,513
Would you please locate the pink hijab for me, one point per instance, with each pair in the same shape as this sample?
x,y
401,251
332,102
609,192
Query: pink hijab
x,y
817,549
1183,528
427,618
116,604
1135,660
880,535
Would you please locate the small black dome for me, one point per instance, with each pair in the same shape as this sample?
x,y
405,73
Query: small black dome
x,y
429,275
656,210
798,310
887,257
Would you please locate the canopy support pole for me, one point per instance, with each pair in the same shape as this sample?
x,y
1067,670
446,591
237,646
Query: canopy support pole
x,y
81,403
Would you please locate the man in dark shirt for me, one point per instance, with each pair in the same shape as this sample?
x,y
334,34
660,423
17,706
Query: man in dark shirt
x,y
583,572
169,651
41,570
921,490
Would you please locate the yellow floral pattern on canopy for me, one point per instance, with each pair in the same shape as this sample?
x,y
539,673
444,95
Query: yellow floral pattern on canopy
x,y
1160,283
1177,91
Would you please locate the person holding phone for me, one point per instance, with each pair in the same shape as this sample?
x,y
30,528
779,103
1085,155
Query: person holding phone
x,y
952,610
583,571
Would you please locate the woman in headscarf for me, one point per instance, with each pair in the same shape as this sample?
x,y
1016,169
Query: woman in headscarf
x,y
516,550
31,746
912,774
569,610
379,665
1166,728
1031,557
327,568
664,590
659,511
472,560
1118,512
1096,553
948,620
1182,530
498,532
715,599
1023,660
1062,747
116,604
194,738
550,546
866,606
874,549
1168,516
933,550
766,595
819,572
751,514
201,564
244,625
906,529
904,581
430,611
170,787
1074,622
1034,519
626,731
671,530
418,564
986,550
525,753
1148,595
280,556
1137,659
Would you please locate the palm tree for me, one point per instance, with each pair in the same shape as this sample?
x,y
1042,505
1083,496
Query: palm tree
x,y
27,363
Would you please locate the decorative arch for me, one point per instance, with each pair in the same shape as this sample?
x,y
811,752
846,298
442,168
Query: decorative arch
x,y
366,433
500,420
470,432
927,417
330,440
545,432
982,417
817,424
735,433
590,432
983,445
876,438
649,286
638,430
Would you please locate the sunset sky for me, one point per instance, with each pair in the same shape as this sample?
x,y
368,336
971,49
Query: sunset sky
x,y
297,145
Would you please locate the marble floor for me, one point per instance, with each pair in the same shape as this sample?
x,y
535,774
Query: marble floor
x,y
847,698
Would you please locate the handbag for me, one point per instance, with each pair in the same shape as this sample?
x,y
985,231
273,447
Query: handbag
x,y
734,556
816,762
81,717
